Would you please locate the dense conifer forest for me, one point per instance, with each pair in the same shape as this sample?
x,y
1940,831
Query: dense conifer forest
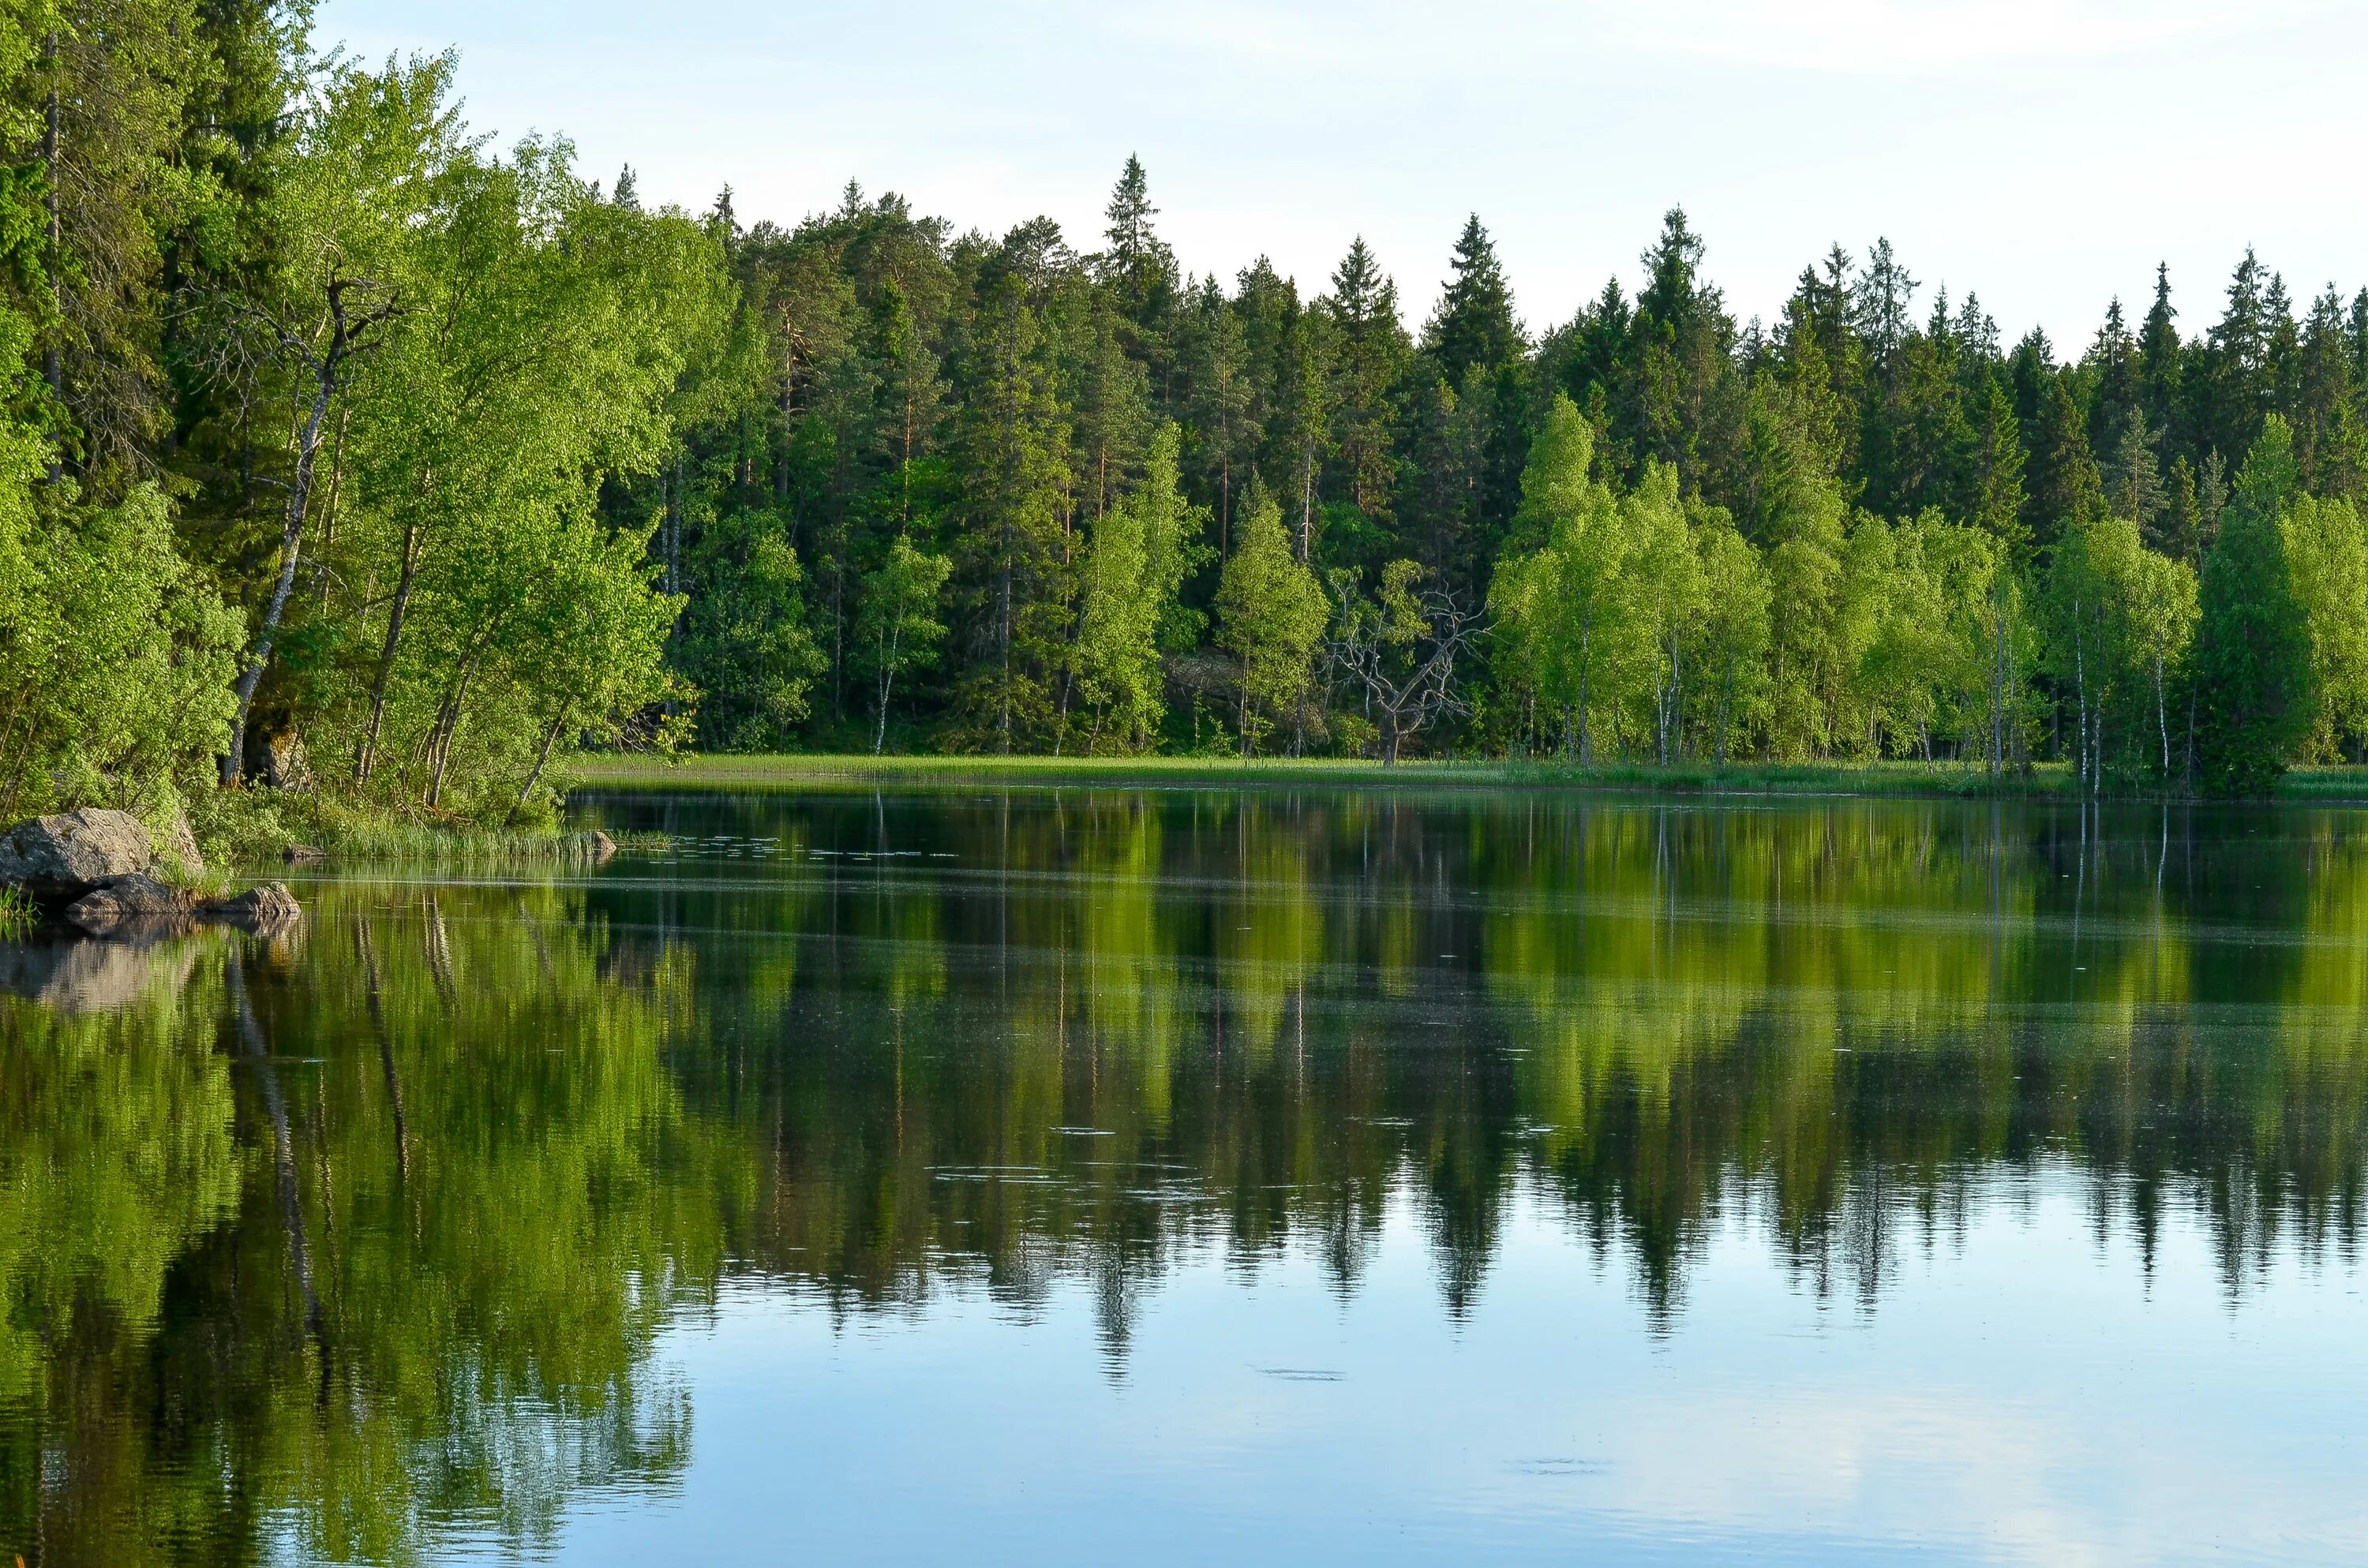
x,y
342,447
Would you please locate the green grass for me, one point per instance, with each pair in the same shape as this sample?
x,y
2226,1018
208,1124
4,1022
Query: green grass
x,y
807,772
2325,784
19,915
625,771
253,829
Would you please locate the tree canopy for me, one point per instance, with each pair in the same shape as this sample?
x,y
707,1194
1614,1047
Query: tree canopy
x,y
403,464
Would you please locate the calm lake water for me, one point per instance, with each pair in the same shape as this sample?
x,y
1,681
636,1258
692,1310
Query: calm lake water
x,y
1174,1177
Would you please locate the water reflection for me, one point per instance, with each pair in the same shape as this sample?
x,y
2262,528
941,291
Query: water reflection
x,y
344,1247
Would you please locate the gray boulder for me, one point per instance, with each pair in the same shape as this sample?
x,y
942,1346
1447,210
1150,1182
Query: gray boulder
x,y
125,905
268,908
66,855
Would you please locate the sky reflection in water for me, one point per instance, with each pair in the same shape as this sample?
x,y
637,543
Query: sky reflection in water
x,y
1064,1176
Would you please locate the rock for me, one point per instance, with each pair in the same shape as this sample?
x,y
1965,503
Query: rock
x,y
271,907
121,905
66,855
596,845
277,759
302,855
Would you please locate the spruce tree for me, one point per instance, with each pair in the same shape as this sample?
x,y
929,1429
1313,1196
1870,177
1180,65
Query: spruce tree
x,y
1993,496
2118,399
1474,324
2133,476
1369,359
2062,489
2252,655
2356,335
1879,307
2231,394
1674,373
1140,271
2161,360
2328,445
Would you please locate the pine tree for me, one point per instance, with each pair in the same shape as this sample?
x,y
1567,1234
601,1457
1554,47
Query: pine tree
x,y
1010,458
1216,391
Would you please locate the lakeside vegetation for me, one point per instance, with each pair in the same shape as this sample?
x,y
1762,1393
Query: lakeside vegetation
x,y
345,455
614,770
714,770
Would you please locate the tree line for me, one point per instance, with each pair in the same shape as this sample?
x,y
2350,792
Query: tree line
x,y
342,446
1650,533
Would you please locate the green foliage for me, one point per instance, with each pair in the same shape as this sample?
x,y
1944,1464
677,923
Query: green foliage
x,y
897,629
1564,604
2327,554
115,661
744,644
1136,561
493,467
2253,640
1270,615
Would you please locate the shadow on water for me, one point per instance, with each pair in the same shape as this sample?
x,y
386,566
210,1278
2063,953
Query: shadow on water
x,y
332,1244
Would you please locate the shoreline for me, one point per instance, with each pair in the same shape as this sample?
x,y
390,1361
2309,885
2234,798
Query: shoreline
x,y
1892,781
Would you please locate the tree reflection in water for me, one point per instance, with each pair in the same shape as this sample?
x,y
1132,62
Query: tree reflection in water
x,y
346,1243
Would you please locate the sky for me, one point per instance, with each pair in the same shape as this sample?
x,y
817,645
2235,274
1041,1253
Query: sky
x,y
2045,156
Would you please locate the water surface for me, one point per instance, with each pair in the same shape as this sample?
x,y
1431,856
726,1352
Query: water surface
x,y
1079,1176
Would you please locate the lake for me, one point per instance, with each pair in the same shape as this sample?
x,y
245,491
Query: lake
x,y
1174,1176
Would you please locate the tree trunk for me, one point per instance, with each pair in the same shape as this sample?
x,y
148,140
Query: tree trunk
x,y
1005,634
887,678
404,579
291,536
1997,683
449,727
1726,707
1586,740
53,357
542,759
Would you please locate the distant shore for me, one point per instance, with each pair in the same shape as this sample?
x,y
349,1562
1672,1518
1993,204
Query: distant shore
x,y
627,771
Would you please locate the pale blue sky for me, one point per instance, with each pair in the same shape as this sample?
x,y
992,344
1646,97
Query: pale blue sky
x,y
2044,153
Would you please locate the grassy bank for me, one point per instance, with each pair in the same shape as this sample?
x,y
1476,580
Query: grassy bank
x,y
253,829
619,771
807,772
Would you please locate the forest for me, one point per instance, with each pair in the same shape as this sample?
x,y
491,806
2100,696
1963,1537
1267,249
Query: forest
x,y
345,450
